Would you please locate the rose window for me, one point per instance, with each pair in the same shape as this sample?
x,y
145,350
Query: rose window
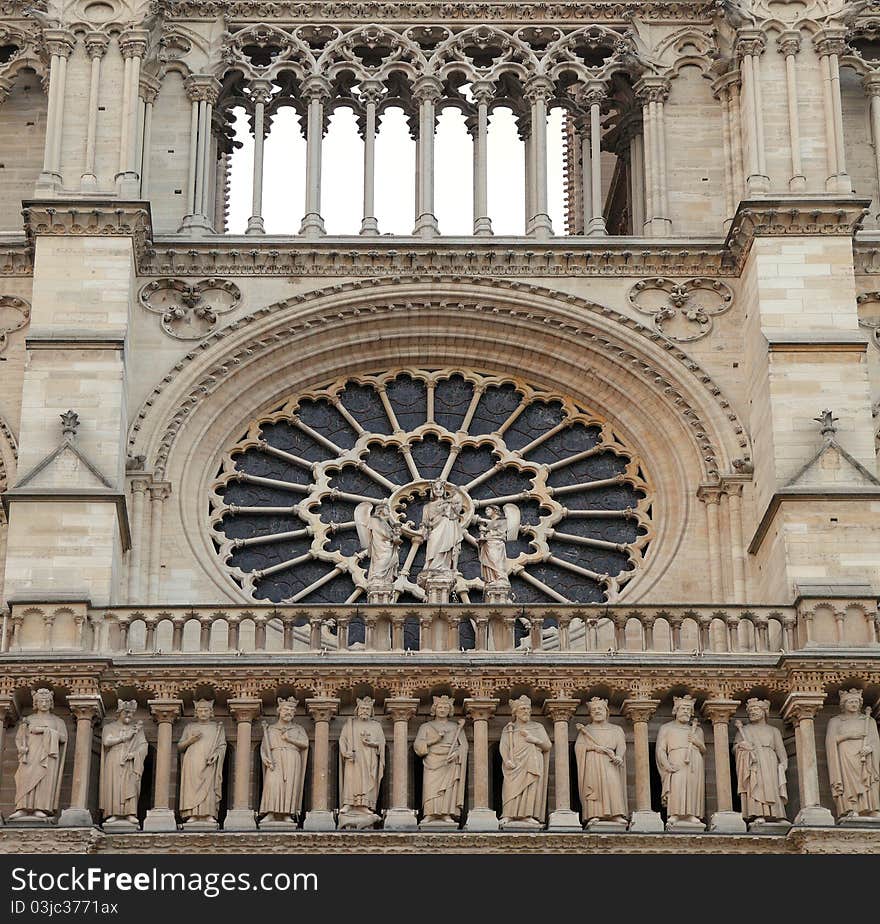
x,y
289,503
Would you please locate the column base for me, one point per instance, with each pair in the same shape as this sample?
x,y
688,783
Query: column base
x,y
400,819
240,820
75,818
602,826
727,823
369,226
196,224
319,821
540,226
483,227
816,816
426,226
757,184
766,826
160,819
797,183
481,819
596,227
120,826
312,225
88,182
658,227
564,820
255,225
646,822
127,184
838,183
48,184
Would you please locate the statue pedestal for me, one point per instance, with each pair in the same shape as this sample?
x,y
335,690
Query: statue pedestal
x,y
727,823
201,824
496,593
240,820
75,818
160,819
379,592
520,824
815,816
120,826
602,826
646,822
319,821
357,821
400,819
481,819
31,821
685,827
438,586
764,826
438,825
564,820
272,824
858,821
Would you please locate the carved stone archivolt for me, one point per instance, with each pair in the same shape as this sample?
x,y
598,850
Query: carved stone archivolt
x,y
682,310
190,311
288,504
14,315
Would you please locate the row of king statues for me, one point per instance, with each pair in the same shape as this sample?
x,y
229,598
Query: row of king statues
x,y
852,750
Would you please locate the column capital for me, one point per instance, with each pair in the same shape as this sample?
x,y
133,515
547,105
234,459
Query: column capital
x,y
165,710
652,89
401,708
427,90
480,708
59,42
830,41
749,43
562,709
202,88
538,88
871,83
160,490
802,705
96,44
316,88
244,709
720,711
260,89
371,91
8,709
86,707
148,88
710,493
789,42
483,91
322,708
133,43
640,710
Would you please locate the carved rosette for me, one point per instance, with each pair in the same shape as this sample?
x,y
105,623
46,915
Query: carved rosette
x,y
190,312
14,315
283,504
682,310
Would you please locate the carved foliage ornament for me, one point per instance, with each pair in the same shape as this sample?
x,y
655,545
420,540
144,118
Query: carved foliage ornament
x,y
869,315
682,310
14,315
189,312
283,505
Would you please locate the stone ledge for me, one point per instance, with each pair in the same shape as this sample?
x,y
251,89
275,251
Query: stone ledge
x,y
95,841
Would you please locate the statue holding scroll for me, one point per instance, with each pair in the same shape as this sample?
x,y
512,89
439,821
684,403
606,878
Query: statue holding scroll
x,y
41,742
123,751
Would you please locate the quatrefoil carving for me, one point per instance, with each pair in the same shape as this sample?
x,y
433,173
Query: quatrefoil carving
x,y
190,312
682,310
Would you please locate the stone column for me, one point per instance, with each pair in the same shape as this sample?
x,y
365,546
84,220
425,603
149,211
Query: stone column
x,y
315,92
749,48
482,93
538,91
8,713
400,817
800,710
321,817
203,90
653,92
563,817
583,137
60,44
241,817
161,816
139,488
426,92
829,45
481,816
594,97
159,493
871,84
261,93
639,712
789,44
96,47
370,93
710,495
149,91
724,820
737,550
87,710
133,45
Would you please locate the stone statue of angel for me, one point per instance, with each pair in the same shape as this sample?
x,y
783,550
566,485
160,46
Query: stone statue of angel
x,y
496,529
379,535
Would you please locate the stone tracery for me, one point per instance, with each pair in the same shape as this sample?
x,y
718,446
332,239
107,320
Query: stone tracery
x,y
284,507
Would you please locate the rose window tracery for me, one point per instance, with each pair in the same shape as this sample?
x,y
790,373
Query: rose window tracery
x,y
508,481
